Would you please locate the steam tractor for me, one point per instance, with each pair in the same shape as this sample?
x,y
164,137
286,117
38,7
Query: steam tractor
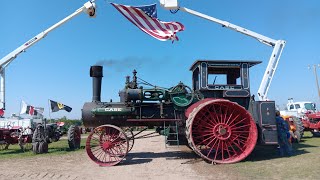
x,y
217,118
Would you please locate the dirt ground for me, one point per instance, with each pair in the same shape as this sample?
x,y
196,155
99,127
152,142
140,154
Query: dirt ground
x,y
149,159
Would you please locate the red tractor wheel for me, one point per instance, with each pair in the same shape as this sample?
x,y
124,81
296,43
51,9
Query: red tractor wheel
x,y
107,145
221,131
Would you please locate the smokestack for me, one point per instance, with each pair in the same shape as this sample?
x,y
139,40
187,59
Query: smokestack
x,y
96,74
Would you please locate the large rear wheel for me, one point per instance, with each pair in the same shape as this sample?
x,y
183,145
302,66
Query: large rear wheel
x,y
107,145
221,131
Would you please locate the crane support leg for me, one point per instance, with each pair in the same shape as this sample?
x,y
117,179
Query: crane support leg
x,y
270,70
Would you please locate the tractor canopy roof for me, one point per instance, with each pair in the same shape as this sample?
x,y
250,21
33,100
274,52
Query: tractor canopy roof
x,y
224,63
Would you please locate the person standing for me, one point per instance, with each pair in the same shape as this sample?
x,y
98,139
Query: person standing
x,y
283,131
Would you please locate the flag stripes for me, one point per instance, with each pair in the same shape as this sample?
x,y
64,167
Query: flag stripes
x,y
151,25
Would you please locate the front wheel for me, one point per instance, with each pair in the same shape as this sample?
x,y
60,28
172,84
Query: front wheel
x,y
107,145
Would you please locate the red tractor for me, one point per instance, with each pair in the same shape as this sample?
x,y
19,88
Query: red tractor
x,y
311,122
15,135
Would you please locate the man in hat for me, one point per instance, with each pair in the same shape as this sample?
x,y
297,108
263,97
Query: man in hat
x,y
283,131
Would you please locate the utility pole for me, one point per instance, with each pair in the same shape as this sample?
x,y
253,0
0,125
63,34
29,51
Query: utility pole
x,y
316,75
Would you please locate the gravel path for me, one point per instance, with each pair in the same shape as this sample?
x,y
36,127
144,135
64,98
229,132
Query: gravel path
x,y
149,159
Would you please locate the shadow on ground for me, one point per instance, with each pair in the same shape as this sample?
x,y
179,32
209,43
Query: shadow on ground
x,y
146,157
261,153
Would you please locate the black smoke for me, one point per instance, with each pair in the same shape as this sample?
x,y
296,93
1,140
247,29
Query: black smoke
x,y
120,65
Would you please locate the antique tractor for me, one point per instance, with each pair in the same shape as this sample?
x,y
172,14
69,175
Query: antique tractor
x,y
311,122
217,118
15,135
44,134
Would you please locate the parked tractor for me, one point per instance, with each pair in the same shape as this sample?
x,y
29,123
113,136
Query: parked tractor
x,y
44,134
304,116
217,118
31,134
311,122
15,135
296,127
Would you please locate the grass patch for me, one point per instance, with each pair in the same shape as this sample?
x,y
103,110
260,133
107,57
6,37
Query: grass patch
x,y
56,148
265,163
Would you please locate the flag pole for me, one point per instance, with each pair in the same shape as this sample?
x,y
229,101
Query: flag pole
x,y
49,109
20,108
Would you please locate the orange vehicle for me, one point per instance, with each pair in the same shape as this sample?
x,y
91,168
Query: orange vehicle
x,y
295,127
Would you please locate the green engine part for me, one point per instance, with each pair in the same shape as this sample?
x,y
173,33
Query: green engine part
x,y
156,94
181,101
181,95
164,132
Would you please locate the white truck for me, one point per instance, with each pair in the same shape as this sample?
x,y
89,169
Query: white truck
x,y
298,109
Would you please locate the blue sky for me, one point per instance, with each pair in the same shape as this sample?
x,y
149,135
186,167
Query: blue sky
x,y
57,67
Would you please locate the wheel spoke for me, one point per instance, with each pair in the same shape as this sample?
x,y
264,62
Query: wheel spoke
x,y
203,115
216,121
212,146
238,127
215,156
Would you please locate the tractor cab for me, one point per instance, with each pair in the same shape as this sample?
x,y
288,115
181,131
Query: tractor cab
x,y
230,80
223,79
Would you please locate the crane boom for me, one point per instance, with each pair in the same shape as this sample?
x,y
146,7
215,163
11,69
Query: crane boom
x,y
89,8
277,45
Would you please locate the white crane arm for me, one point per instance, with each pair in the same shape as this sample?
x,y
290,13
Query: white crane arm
x,y
89,8
277,45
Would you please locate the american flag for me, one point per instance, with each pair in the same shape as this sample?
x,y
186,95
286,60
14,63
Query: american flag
x,y
145,18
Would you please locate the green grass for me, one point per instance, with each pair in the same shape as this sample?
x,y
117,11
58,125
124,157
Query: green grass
x,y
56,148
265,163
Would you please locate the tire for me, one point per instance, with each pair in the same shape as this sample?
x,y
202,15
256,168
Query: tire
x,y
39,140
74,137
299,127
35,147
315,133
297,137
56,137
39,134
43,147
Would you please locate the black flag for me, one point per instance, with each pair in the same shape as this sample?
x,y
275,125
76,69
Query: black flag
x,y
55,106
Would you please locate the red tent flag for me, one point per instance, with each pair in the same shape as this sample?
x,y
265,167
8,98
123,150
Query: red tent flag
x,y
145,18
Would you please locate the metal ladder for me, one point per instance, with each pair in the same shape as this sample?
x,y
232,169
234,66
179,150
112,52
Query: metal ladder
x,y
167,133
